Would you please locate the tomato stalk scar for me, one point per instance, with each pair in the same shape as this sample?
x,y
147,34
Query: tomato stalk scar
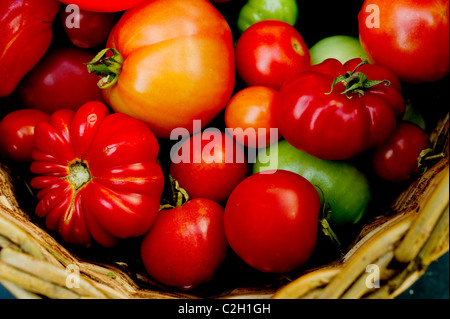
x,y
79,174
356,82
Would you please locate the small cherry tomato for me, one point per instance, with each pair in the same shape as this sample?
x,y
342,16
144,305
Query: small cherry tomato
x,y
397,160
186,245
271,220
87,29
250,116
60,81
270,52
17,133
209,165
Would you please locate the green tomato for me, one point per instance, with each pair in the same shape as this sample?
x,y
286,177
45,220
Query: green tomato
x,y
257,10
340,47
413,115
345,188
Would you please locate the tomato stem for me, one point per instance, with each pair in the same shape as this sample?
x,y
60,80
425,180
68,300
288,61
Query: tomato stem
x,y
108,68
180,196
355,82
325,225
79,174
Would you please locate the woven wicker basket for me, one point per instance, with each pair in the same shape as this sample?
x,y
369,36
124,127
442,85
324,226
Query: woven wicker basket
x,y
401,242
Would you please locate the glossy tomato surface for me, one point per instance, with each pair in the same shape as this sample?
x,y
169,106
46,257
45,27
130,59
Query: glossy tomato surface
x,y
60,81
186,245
271,220
270,52
25,35
17,133
344,189
209,165
410,37
178,64
398,159
324,121
250,116
97,175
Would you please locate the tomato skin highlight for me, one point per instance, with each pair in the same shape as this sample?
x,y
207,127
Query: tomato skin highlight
x,y
212,168
17,133
186,245
60,81
397,160
271,221
177,46
97,175
25,35
269,53
330,125
410,37
343,188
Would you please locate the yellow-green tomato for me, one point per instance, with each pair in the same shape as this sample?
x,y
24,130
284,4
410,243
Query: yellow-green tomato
x,y
345,188
340,47
257,10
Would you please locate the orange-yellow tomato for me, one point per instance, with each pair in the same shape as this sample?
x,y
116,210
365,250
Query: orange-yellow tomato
x,y
250,116
178,64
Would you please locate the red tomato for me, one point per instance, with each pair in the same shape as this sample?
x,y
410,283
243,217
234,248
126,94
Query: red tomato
x,y
324,122
17,133
250,116
87,29
397,160
186,245
178,65
209,165
270,52
98,178
271,220
25,35
409,37
60,81
104,5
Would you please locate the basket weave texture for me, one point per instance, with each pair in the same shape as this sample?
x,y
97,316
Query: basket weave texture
x,y
397,247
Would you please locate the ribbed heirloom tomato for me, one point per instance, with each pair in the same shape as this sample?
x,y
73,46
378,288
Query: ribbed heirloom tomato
x,y
334,111
98,177
173,63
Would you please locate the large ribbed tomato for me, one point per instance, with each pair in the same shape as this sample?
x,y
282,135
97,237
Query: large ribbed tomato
x,y
174,63
98,177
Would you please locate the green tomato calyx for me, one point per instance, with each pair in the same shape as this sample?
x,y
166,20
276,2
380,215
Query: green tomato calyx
x,y
107,67
356,82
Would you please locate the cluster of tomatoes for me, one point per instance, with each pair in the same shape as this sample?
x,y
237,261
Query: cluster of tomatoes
x,y
95,119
